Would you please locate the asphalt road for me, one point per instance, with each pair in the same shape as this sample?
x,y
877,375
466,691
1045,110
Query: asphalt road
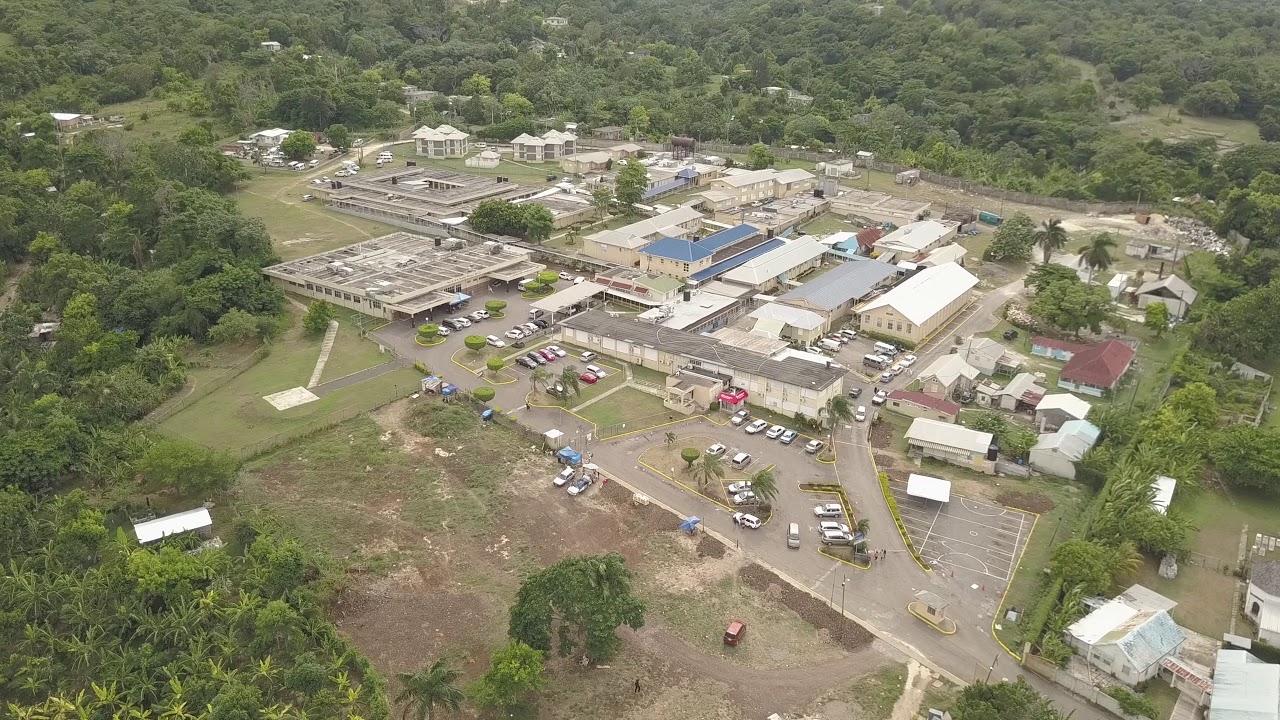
x,y
876,597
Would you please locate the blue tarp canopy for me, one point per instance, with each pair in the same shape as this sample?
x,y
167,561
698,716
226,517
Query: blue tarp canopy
x,y
448,389
462,297
487,414
569,456
691,523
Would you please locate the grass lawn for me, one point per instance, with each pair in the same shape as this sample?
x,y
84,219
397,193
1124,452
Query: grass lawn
x,y
640,372
524,173
236,416
826,224
878,692
161,122
300,228
1165,121
624,406
1163,697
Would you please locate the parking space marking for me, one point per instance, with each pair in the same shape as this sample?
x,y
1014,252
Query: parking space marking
x,y
965,534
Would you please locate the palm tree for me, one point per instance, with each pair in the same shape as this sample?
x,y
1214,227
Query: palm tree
x,y
1050,237
863,528
423,691
765,485
1125,560
670,438
539,376
1097,254
708,468
570,379
836,411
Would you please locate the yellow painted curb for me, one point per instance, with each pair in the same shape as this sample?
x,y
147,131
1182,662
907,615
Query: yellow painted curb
x,y
842,560
931,624
915,555
416,339
686,487
1013,575
491,381
372,329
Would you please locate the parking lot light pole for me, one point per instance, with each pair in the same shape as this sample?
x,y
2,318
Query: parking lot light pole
x,y
843,620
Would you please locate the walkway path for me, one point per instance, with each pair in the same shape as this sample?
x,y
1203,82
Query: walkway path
x,y
358,377
601,396
326,347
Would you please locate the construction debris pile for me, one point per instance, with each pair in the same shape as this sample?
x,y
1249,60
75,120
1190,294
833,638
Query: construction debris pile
x,y
1193,232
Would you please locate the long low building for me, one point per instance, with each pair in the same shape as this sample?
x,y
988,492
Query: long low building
x,y
779,267
919,306
834,293
787,384
400,275
623,245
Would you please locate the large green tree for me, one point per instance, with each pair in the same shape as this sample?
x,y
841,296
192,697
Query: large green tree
x,y
630,185
515,672
1004,700
300,145
186,467
583,599
1071,306
1013,241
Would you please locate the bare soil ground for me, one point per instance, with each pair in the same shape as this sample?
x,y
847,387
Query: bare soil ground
x,y
436,519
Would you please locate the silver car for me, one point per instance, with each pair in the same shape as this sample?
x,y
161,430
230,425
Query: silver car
x,y
739,487
744,498
829,510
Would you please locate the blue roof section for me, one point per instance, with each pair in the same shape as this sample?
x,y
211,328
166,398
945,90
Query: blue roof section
x,y
726,265
665,187
676,249
729,236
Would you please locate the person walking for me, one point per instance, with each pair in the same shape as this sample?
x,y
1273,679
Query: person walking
x,y
636,688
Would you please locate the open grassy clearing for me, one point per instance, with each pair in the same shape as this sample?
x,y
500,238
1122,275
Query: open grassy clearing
x,y
828,223
300,228
161,122
878,691
525,173
624,406
446,516
235,415
351,353
1165,121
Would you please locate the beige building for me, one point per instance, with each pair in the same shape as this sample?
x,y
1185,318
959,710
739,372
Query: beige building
x,y
445,141
749,186
918,404
686,258
946,375
552,146
779,268
954,444
585,162
622,246
788,385
921,305
913,240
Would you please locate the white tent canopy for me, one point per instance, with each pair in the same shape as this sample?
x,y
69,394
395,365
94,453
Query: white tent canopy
x,y
187,521
929,488
571,295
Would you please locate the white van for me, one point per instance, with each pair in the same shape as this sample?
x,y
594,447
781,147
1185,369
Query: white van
x,y
885,348
793,535
878,362
741,460
535,313
523,284
829,345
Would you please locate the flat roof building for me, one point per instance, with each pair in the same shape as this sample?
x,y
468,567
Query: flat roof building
x,y
913,240
401,275
623,245
196,521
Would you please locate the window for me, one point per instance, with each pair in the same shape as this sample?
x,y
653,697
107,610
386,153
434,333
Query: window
x,y
908,327
866,319
879,322
327,291
309,287
346,296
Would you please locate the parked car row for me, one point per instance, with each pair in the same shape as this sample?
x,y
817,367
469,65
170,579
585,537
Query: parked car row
x,y
540,356
782,434
578,485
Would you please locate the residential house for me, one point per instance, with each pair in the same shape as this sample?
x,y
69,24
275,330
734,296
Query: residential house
x,y
834,293
555,22
845,246
608,132
1163,487
954,252
1057,453
792,323
839,168
270,46
1244,687
989,356
1058,408
691,259
919,405
921,305
645,290
913,239
265,139
585,162
1060,350
1024,390
70,121
552,146
1262,600
1171,290
1125,641
954,444
1097,369
946,376
622,246
749,186
625,151
779,268
189,521
445,141
785,384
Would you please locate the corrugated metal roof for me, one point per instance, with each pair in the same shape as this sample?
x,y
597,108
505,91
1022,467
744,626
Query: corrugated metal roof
x,y
1091,628
736,260
1067,403
779,261
1164,487
728,236
676,249
793,316
1244,688
915,236
948,435
839,285
1147,637
926,293
929,488
175,524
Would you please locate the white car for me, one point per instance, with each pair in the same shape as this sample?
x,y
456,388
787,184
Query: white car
x,y
565,476
479,315
581,484
588,356
813,446
744,498
342,173
444,331
747,521
829,510
826,525
716,450
514,334
896,369
861,414
464,322
495,342
739,417
775,432
324,178
756,426
739,487
907,361
565,276
880,398
308,198
556,349
579,280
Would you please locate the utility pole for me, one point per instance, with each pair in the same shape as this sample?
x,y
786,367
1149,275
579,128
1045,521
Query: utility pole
x,y
843,620
991,669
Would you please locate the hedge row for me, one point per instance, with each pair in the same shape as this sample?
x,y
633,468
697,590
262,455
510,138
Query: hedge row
x,y
897,519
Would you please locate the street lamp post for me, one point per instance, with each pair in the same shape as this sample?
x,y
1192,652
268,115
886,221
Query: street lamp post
x,y
843,620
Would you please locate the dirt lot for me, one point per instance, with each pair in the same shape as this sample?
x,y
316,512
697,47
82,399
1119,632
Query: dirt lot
x,y
436,519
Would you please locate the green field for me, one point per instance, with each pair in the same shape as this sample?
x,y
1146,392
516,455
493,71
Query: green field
x,y
1165,121
161,122
623,406
235,415
301,228
519,172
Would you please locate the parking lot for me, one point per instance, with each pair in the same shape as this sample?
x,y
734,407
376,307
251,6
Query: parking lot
x,y
965,534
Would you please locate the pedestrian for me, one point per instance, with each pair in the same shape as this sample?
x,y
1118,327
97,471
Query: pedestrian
x,y
603,482
637,686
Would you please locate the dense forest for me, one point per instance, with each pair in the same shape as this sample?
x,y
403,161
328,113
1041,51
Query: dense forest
x,y
990,90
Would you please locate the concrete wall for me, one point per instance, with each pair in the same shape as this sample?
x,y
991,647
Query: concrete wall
x,y
977,462
1051,462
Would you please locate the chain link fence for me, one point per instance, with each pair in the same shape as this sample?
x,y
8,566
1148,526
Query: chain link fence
x,y
368,404
177,405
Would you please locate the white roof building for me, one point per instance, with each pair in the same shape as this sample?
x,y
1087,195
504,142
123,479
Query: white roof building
x,y
799,253
178,523
772,319
925,294
1128,642
949,368
952,253
914,238
929,488
444,132
1067,403
949,435
1244,688
65,117
638,234
1164,487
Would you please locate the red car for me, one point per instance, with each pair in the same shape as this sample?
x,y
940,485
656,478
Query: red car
x,y
733,634
588,378
550,356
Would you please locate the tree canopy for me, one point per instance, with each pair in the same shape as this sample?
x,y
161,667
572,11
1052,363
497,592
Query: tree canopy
x,y
586,599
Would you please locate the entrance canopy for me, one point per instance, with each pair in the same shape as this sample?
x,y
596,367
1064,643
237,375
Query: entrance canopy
x,y
462,297
571,295
929,488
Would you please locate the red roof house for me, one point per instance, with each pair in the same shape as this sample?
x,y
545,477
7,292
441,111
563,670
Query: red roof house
x,y
867,238
1096,368
918,404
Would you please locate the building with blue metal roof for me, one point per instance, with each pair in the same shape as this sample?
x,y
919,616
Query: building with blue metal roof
x,y
686,258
